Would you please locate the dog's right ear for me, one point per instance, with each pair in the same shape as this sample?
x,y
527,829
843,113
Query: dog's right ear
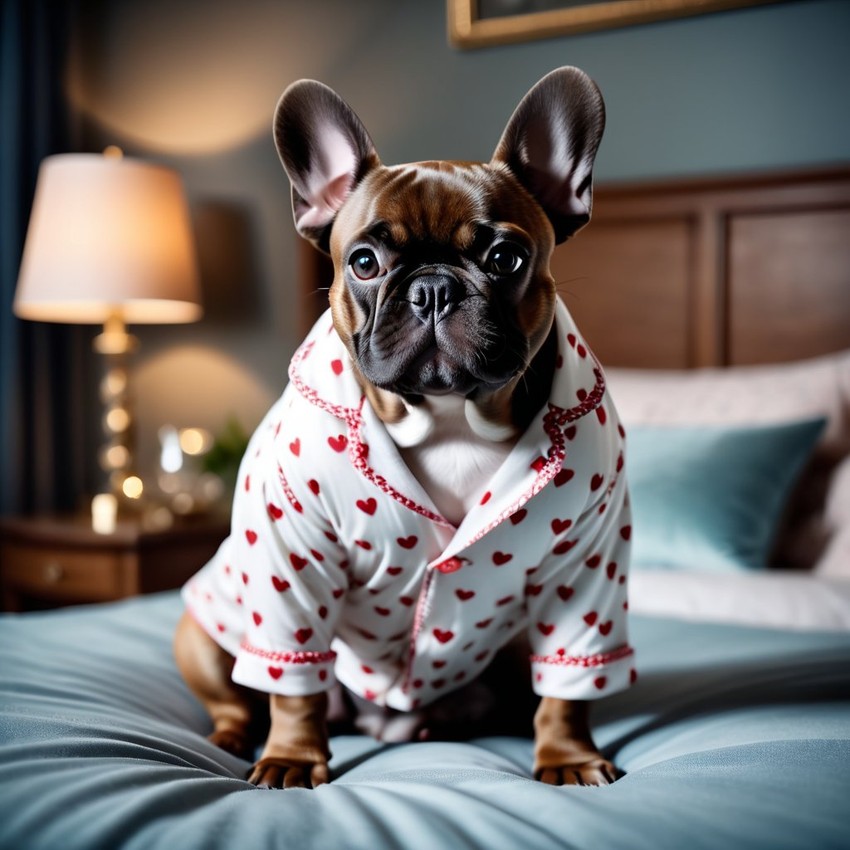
x,y
325,150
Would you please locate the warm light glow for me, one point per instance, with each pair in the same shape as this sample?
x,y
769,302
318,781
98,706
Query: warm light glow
x,y
104,512
195,441
114,457
108,237
113,384
171,455
117,420
133,487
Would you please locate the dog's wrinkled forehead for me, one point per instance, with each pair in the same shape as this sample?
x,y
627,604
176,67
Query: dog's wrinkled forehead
x,y
445,203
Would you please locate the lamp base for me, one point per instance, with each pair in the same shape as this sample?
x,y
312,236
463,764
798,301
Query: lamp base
x,y
117,452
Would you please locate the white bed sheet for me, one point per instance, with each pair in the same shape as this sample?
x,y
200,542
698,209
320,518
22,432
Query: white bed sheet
x,y
797,601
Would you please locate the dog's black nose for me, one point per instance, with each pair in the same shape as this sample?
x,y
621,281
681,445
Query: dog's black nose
x,y
433,297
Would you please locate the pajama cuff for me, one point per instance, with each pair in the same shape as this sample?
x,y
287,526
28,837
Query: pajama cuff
x,y
583,676
287,672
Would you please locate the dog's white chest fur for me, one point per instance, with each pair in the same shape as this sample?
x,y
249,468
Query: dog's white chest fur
x,y
452,462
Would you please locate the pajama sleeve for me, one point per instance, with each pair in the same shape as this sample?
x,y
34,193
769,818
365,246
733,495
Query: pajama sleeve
x,y
292,567
578,618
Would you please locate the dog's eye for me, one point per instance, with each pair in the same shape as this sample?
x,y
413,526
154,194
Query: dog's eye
x,y
505,259
364,264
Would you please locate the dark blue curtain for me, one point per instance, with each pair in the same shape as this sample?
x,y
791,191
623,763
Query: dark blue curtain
x,y
42,366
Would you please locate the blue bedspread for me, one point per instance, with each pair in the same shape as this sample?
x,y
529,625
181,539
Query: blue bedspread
x,y
732,738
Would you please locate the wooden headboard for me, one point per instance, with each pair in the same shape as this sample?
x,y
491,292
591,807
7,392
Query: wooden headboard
x,y
713,272
709,272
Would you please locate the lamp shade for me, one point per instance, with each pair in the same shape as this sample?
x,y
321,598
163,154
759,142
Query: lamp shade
x,y
108,234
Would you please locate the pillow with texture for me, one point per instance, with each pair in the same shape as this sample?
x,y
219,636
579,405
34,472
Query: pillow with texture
x,y
711,498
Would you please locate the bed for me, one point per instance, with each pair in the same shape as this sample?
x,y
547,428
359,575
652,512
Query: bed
x,y
721,310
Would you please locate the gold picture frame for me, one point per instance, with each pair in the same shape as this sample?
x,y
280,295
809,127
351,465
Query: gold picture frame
x,y
468,28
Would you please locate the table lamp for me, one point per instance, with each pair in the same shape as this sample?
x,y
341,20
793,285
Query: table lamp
x,y
109,241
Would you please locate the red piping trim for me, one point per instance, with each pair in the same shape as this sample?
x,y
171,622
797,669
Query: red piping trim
x,y
599,660
289,657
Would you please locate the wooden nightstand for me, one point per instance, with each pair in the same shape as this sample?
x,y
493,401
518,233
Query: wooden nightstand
x,y
52,561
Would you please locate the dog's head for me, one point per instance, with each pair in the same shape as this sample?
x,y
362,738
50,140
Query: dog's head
x,y
442,281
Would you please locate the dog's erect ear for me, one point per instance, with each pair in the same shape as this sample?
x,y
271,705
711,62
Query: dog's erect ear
x,y
325,150
550,144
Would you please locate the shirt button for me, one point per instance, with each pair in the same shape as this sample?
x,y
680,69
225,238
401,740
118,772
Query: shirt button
x,y
450,565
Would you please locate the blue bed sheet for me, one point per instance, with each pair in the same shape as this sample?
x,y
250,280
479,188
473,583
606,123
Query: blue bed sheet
x,y
732,738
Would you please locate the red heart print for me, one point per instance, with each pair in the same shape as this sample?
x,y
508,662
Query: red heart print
x,y
601,415
593,561
274,511
314,486
559,363
395,571
251,537
323,674
599,682
280,584
323,611
303,635
363,544
368,506
438,683
571,339
582,351
220,627
596,482
605,628
501,558
336,365
295,446
317,554
632,676
459,677
369,695
564,546
338,592
560,525
247,483
563,477
626,532
464,595
438,665
546,629
581,394
443,635
275,672
611,570
298,563
538,463
486,497
482,624
519,516
332,537
339,443
620,462
407,601
505,600
533,589
257,617
407,542
245,578
590,617
367,669
571,432
383,612
565,592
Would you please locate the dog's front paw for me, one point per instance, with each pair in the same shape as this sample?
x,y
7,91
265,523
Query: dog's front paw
x,y
286,773
595,771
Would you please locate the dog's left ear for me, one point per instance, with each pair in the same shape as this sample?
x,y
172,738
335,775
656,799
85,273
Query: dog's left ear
x,y
325,150
550,144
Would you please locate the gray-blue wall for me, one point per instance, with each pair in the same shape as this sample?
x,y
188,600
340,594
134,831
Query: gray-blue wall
x,y
194,84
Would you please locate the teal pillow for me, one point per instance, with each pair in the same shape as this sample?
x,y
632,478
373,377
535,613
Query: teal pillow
x,y
711,498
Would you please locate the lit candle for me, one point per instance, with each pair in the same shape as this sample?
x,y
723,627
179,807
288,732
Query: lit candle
x,y
104,511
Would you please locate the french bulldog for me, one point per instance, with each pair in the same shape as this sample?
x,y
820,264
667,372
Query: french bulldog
x,y
443,476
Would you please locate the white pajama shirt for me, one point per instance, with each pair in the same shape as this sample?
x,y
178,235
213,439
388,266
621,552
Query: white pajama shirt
x,y
339,567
